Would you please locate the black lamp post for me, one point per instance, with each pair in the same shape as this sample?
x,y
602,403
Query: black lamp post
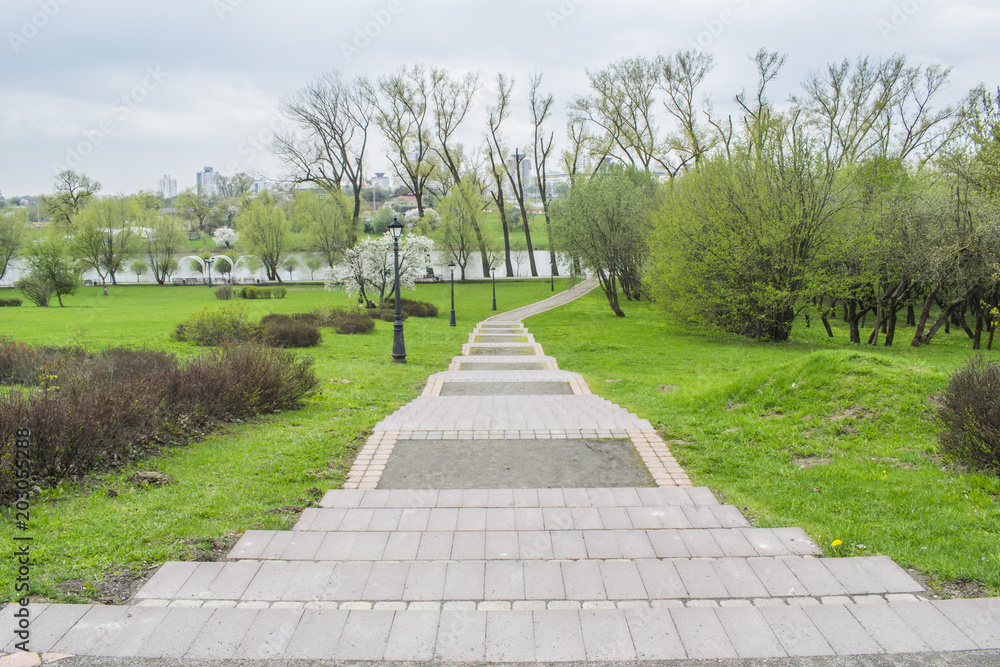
x,y
493,272
398,346
451,267
208,263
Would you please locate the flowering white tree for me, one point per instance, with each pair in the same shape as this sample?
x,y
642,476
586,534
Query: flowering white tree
x,y
366,269
225,236
431,217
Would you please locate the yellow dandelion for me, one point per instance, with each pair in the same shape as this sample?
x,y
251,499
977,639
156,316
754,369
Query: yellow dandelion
x,y
836,543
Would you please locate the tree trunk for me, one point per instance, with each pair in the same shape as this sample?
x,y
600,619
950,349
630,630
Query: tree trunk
x,y
826,322
527,240
911,317
918,335
851,317
610,291
890,330
946,313
978,336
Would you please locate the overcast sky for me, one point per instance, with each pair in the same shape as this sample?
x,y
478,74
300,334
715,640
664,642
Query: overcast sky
x,y
129,91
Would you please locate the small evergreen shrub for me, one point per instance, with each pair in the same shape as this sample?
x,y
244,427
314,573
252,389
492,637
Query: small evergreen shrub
x,y
353,322
970,415
213,327
252,292
36,288
289,333
278,292
224,293
10,303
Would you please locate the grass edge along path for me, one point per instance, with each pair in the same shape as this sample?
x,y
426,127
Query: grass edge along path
x,y
89,544
836,438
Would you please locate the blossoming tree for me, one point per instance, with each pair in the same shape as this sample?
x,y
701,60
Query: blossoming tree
x,y
366,269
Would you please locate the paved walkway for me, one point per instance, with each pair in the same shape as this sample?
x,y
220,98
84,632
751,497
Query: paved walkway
x,y
556,572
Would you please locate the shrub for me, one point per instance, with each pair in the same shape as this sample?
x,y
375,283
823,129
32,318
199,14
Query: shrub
x,y
290,333
36,288
251,292
112,408
414,308
224,293
970,414
213,327
353,321
279,292
9,303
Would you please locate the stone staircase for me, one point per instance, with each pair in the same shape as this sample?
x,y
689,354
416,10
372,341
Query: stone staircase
x,y
519,574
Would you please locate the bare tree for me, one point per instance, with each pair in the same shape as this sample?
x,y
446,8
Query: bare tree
x,y
72,192
497,155
541,108
679,78
334,117
405,116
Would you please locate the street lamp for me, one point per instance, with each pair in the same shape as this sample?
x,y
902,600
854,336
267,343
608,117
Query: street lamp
x,y
493,272
398,346
451,267
208,262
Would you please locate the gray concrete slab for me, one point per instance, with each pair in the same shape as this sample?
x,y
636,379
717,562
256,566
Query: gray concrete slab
x,y
470,463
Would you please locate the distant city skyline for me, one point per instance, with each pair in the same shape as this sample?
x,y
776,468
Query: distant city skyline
x,y
128,92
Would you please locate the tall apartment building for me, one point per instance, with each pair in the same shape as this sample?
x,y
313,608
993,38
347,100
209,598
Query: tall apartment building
x,y
206,182
167,187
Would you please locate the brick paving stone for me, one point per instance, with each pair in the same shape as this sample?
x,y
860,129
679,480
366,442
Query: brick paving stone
x,y
558,635
386,581
250,545
932,626
815,576
776,577
465,580
732,543
510,636
889,575
336,546
469,546
601,544
303,545
654,636
269,634
701,544
853,576
461,636
48,624
543,580
699,578
622,580
127,638
796,632
412,636
534,544
271,580
606,635
888,629
364,637
348,581
425,581
501,545
443,518
504,580
167,580
317,634
89,629
749,633
739,578
583,581
568,544
587,518
500,519
660,579
175,633
232,580
668,544
702,634
842,630
634,544
435,545
369,546
222,634
402,545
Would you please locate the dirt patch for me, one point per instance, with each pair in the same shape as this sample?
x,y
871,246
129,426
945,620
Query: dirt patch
x,y
853,412
668,387
949,590
209,549
772,414
810,462
733,406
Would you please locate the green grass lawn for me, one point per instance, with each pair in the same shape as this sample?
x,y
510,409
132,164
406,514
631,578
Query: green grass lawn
x,y
836,438
235,478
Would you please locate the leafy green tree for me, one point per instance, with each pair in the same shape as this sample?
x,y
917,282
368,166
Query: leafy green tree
x,y
12,225
264,229
327,220
72,192
190,203
290,264
461,212
164,239
604,222
314,264
49,264
106,235
138,267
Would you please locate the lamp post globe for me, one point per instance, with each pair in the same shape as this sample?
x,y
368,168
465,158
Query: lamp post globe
x,y
451,267
398,345
493,273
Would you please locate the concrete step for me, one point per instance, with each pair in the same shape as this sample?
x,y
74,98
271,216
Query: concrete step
x,y
515,362
497,377
502,349
462,635
484,498
432,413
527,544
496,578
521,518
498,337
